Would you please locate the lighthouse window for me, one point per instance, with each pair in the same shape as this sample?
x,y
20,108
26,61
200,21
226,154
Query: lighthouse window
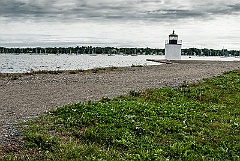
x,y
173,38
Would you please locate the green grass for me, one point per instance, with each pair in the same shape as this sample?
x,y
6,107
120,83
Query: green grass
x,y
192,122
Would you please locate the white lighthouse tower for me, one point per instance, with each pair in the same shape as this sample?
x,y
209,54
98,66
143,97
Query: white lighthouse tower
x,y
173,47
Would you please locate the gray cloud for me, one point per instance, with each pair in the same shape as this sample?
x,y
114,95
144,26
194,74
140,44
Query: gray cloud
x,y
117,10
226,10
117,22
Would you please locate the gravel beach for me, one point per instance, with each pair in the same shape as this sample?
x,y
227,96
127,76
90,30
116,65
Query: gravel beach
x,y
29,96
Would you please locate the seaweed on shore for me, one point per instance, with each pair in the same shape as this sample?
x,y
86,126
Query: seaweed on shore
x,y
15,76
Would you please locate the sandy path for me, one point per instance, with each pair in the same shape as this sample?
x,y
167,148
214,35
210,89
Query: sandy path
x,y
31,96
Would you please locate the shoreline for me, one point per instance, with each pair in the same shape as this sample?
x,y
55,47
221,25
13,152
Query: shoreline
x,y
111,68
55,72
22,68
30,96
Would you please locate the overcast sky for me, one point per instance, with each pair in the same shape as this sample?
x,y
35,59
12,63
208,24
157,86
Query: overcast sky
x,y
119,23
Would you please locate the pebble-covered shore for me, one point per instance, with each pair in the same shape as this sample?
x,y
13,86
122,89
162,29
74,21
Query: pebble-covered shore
x,y
29,96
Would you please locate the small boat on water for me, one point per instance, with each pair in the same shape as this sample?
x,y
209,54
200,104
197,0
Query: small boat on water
x,y
111,54
93,54
134,55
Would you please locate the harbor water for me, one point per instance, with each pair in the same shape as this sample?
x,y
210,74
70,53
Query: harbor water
x,y
23,63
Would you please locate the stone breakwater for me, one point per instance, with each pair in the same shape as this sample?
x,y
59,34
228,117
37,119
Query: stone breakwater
x,y
29,96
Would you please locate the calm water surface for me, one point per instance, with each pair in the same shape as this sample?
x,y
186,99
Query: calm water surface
x,y
23,63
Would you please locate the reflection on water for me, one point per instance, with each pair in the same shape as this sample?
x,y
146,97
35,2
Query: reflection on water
x,y
25,63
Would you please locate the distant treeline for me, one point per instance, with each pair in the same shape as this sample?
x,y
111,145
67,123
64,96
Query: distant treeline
x,y
113,50
210,52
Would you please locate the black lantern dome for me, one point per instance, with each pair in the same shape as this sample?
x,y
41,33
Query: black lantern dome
x,y
173,38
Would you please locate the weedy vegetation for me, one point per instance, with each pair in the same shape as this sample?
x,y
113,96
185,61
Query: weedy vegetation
x,y
133,65
15,76
193,122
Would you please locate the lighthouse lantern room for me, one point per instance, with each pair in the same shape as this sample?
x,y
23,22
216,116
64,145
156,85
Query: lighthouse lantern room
x,y
173,47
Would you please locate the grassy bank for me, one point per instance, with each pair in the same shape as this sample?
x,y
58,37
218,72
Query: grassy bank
x,y
196,122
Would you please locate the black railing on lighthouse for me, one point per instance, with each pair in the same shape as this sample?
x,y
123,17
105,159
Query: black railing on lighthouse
x,y
171,42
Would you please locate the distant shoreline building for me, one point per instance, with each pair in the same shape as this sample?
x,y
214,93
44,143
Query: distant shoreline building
x,y
173,47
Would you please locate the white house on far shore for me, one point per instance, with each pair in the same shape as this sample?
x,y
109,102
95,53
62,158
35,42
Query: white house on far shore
x,y
173,47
